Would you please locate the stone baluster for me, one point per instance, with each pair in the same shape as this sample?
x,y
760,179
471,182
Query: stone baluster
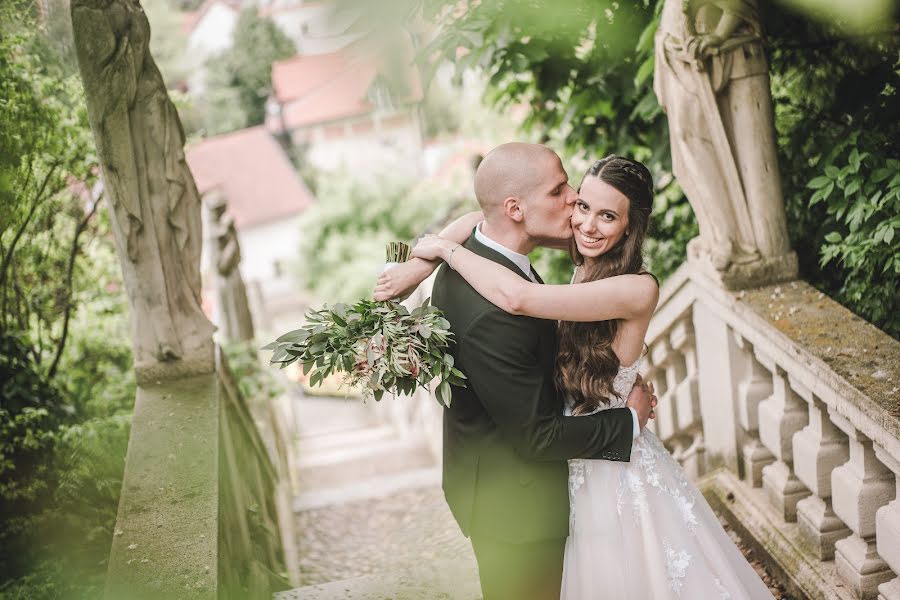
x,y
667,413
818,449
651,373
755,387
781,415
860,487
685,374
686,397
887,530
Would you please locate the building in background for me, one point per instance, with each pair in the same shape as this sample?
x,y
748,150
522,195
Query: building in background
x,y
266,197
349,112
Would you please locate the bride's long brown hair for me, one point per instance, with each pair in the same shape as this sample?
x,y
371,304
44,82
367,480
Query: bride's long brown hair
x,y
586,364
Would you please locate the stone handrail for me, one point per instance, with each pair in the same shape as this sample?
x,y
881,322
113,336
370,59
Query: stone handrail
x,y
756,386
204,509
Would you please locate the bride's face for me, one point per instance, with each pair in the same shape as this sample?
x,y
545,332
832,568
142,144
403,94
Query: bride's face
x,y
600,217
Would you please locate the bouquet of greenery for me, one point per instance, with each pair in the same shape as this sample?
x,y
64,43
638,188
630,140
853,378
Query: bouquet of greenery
x,y
378,346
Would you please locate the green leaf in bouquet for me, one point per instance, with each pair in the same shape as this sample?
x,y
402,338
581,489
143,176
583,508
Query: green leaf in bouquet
x,y
270,346
443,394
448,360
307,366
454,380
316,378
457,373
296,336
377,394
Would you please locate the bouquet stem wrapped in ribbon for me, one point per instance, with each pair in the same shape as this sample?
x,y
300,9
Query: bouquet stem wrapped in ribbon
x,y
378,346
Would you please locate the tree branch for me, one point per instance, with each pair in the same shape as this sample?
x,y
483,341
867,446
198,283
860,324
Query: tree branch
x,y
79,229
37,200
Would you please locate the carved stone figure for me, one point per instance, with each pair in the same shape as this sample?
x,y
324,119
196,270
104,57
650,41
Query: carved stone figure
x,y
234,310
712,79
154,204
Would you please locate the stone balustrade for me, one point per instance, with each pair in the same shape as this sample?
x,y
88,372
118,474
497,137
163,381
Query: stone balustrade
x,y
797,422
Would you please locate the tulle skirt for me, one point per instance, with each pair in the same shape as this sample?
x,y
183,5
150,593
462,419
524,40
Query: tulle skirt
x,y
642,531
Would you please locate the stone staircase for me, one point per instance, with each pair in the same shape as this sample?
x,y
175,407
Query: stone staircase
x,y
371,519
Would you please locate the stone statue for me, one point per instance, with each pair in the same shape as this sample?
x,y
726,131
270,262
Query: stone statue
x,y
712,79
155,207
234,311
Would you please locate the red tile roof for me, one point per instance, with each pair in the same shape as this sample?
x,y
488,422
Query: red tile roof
x,y
253,171
329,87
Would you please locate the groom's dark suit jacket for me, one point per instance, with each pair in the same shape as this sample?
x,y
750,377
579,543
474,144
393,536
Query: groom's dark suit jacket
x,y
506,440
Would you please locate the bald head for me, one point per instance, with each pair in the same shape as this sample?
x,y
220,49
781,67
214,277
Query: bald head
x,y
510,170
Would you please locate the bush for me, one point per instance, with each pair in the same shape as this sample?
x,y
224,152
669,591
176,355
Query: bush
x,y
344,235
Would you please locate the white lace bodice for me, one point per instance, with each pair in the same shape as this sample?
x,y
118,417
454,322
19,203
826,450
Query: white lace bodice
x,y
622,385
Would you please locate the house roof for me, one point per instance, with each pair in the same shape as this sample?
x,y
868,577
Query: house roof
x,y
328,87
258,180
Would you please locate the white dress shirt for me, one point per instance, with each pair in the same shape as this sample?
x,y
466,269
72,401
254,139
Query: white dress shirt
x,y
521,261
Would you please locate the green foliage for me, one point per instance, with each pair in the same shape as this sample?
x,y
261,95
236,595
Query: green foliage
x,y
256,382
240,80
345,233
838,123
65,361
441,112
31,410
862,200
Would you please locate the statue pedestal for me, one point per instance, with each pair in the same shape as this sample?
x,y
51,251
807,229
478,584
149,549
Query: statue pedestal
x,y
200,361
738,276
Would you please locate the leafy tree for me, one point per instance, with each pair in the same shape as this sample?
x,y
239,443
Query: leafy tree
x,y
240,80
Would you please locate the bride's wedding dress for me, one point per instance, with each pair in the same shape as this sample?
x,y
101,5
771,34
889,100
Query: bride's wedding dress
x,y
642,531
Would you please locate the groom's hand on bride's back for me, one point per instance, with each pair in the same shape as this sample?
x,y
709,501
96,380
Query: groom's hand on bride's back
x,y
642,400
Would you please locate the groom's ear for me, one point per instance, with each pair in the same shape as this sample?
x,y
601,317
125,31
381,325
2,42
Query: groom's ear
x,y
512,207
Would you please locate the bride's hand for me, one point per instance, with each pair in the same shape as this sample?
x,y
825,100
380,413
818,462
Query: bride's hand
x,y
432,247
400,281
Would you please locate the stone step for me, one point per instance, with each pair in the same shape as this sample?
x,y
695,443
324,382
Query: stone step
x,y
445,580
322,415
368,488
360,462
318,448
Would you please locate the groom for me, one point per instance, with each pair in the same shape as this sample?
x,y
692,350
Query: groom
x,y
506,440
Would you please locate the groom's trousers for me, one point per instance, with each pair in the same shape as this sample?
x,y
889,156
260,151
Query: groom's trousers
x,y
530,571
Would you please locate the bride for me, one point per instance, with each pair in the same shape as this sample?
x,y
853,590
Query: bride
x,y
638,530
